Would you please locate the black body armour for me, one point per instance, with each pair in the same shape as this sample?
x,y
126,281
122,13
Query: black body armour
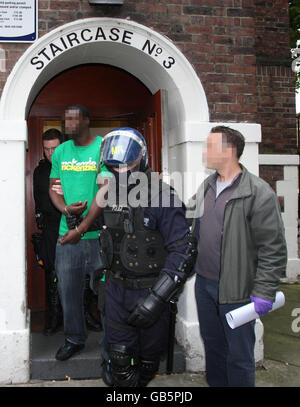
x,y
133,254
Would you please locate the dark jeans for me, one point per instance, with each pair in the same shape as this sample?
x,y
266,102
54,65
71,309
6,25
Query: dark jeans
x,y
72,263
229,352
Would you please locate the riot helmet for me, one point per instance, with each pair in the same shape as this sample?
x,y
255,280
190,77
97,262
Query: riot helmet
x,y
126,148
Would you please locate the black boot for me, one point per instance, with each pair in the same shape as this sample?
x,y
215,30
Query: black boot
x,y
106,373
91,323
54,310
148,368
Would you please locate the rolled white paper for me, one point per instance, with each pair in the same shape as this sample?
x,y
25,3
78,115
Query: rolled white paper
x,y
246,313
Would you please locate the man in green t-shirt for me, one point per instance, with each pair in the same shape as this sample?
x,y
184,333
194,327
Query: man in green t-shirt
x,y
75,167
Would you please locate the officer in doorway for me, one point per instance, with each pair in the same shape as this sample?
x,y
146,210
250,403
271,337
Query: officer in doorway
x,y
149,254
47,219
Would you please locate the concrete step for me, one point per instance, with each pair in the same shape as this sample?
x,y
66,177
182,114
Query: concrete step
x,y
84,365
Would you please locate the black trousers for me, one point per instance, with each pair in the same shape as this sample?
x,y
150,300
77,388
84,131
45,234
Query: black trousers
x,y
48,247
150,342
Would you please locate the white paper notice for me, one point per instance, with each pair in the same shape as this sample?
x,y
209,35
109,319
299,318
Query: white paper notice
x,y
246,313
17,19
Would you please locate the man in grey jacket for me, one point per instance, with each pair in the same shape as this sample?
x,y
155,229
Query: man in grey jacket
x,y
241,257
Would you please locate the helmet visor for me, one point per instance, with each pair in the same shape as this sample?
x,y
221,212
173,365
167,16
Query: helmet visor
x,y
120,149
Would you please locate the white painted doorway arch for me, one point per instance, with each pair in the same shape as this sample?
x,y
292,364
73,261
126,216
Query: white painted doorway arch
x,y
147,55
144,53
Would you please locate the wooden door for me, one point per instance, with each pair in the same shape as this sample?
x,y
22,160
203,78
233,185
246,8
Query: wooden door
x,y
35,276
151,125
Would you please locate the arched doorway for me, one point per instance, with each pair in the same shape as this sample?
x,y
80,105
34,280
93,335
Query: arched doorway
x,y
151,58
114,98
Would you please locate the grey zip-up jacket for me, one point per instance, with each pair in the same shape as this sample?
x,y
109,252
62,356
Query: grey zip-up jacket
x,y
253,250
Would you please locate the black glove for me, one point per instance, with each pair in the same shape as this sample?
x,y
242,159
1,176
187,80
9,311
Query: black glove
x,y
73,221
40,220
147,311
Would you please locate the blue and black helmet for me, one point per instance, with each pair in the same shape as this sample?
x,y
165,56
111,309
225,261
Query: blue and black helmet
x,y
124,146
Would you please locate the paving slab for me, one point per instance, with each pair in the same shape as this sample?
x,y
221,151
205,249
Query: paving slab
x,y
271,374
277,374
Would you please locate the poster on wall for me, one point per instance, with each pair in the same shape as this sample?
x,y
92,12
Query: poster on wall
x,y
18,20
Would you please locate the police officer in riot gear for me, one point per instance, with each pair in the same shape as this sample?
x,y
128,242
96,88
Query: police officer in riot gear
x,y
148,256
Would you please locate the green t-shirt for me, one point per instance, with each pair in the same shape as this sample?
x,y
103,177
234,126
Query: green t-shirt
x,y
77,169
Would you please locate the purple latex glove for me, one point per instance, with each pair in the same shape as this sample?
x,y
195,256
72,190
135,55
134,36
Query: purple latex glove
x,y
261,306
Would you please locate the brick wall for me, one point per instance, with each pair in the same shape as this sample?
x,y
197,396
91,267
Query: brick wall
x,y
276,109
216,36
275,79
271,28
232,44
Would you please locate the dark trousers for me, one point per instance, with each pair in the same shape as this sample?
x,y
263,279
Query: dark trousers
x,y
229,352
48,246
149,342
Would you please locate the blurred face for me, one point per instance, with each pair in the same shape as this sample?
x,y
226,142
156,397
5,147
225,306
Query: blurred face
x,y
49,146
217,151
75,123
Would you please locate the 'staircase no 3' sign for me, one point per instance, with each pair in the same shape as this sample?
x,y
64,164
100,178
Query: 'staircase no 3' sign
x,y
18,20
102,34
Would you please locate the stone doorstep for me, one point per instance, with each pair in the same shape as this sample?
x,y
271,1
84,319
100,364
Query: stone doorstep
x,y
84,365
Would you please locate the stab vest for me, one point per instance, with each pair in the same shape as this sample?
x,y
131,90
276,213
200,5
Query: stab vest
x,y
129,249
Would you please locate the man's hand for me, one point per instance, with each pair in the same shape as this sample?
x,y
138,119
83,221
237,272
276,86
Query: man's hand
x,y
146,312
262,307
72,236
57,187
76,208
